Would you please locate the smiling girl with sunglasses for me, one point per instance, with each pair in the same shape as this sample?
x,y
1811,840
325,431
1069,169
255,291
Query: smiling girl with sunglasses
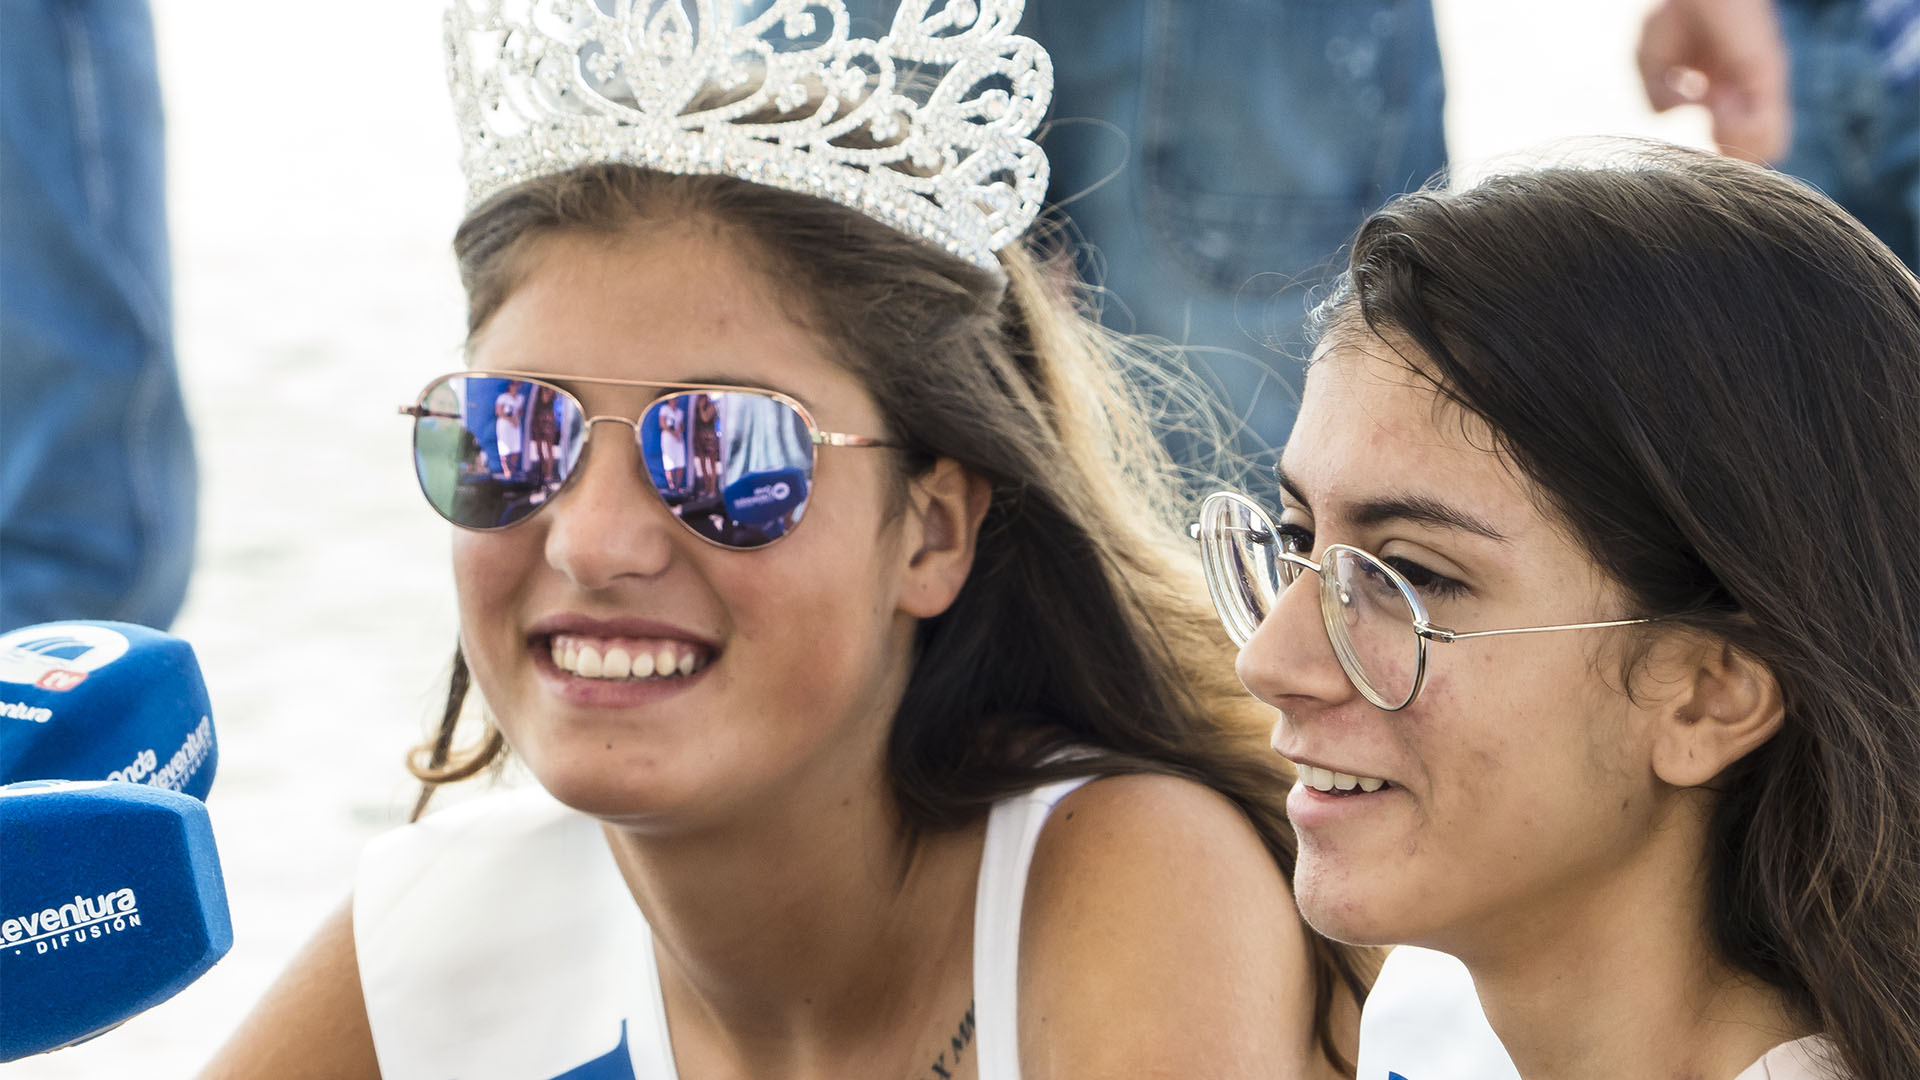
x,y
1589,605
879,727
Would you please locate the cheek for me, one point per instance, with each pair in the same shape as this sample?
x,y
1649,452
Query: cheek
x,y
1516,767
484,567
490,572
1516,740
812,622
1527,765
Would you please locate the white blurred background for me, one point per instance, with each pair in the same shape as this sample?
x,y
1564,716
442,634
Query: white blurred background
x,y
314,192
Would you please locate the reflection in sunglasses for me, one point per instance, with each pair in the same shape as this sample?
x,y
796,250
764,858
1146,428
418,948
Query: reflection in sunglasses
x,y
734,465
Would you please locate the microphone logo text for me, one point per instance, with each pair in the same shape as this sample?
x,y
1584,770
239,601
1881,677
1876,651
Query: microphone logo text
x,y
63,927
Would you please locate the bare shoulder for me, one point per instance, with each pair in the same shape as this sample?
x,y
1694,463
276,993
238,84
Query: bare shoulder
x,y
1159,938
312,1021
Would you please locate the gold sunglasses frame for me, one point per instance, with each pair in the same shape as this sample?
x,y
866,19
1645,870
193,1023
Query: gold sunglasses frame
x,y
815,435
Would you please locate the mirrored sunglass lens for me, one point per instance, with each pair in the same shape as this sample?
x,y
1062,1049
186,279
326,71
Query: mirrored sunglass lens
x,y
490,451
1241,557
1371,626
735,466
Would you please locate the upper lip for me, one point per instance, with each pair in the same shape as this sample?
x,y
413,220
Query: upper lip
x,y
585,626
1330,768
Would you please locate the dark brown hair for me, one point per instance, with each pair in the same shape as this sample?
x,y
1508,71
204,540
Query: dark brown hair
x,y
1713,375
1084,622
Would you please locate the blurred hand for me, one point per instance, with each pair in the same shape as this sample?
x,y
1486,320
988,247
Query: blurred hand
x,y
1729,56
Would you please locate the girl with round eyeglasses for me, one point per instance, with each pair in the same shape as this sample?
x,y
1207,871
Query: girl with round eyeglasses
x,y
876,725
1586,602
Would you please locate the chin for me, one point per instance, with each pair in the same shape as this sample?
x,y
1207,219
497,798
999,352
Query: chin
x,y
1350,904
622,806
601,787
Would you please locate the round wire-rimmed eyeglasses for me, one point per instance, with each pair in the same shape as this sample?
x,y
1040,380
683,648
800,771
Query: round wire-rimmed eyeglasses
x,y
1376,622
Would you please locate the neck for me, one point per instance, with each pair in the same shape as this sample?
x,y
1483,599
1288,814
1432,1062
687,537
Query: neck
x,y
1621,978
779,936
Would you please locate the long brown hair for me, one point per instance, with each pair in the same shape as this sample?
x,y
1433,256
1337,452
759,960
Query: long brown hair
x,y
1083,622
1714,375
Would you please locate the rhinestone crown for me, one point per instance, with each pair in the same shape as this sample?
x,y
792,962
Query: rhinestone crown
x,y
926,128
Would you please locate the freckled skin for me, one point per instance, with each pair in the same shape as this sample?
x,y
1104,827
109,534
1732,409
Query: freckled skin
x,y
1512,759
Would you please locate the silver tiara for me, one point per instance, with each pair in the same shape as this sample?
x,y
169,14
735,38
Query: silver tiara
x,y
926,128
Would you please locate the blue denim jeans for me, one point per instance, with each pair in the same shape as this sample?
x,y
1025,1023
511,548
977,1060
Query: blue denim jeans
x,y
1213,156
1217,154
97,478
1856,136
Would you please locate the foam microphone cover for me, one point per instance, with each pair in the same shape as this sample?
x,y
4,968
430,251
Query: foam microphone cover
x,y
104,700
111,901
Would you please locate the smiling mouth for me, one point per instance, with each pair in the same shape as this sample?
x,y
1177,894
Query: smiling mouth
x,y
1329,782
627,659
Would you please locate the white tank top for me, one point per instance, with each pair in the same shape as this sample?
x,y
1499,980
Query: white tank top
x,y
497,941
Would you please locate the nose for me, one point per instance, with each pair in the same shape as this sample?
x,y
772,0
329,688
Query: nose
x,y
609,523
1289,663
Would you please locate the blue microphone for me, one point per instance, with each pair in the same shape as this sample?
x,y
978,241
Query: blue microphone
x,y
111,899
111,902
104,701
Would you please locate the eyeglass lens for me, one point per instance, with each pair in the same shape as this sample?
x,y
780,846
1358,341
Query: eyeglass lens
x,y
1368,618
1241,557
1371,626
735,466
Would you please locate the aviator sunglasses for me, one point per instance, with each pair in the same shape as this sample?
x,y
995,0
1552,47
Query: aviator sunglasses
x,y
733,463
1376,621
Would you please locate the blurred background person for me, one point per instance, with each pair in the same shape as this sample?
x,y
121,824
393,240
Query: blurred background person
x,y
1825,90
1210,156
97,481
1213,155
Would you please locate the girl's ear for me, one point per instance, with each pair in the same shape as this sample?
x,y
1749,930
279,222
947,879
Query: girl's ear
x,y
947,503
1721,705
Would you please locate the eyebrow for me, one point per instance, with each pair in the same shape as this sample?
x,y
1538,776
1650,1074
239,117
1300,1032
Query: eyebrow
x,y
1419,509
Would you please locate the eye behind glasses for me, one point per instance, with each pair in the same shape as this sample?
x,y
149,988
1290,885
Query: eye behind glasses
x,y
1298,540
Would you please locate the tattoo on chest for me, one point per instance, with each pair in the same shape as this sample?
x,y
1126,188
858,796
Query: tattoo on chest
x,y
945,1065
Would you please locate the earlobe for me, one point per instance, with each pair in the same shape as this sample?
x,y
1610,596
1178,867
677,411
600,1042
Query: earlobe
x,y
1727,706
948,503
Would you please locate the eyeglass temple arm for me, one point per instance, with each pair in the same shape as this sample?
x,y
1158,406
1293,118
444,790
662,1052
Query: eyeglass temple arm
x,y
1260,536
1442,634
1428,631
422,410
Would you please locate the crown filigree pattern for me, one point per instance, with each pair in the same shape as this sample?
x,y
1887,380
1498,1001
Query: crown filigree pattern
x,y
926,128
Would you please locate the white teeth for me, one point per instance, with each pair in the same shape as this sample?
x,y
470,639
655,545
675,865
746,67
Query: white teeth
x,y
618,664
625,660
1327,780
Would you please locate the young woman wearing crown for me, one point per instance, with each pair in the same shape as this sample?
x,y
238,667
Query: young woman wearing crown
x,y
907,747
